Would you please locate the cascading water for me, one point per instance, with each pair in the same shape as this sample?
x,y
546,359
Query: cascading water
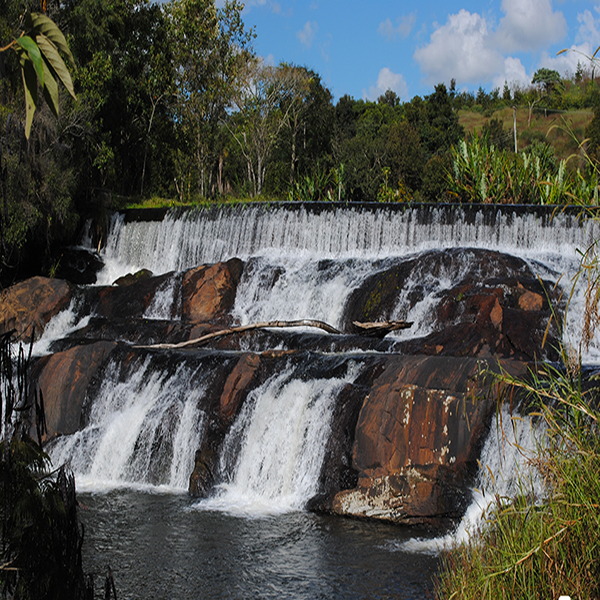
x,y
304,263
273,454
147,419
144,426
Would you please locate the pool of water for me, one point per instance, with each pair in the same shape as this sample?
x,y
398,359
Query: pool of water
x,y
169,546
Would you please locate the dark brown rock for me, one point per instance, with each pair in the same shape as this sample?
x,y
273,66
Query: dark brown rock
x,y
79,266
29,305
63,378
497,307
132,278
236,386
127,301
418,436
209,291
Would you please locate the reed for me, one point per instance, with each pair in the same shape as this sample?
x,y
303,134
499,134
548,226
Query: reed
x,y
542,548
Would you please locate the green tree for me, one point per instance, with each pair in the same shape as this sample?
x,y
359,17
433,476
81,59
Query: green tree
x,y
36,175
435,120
210,47
125,75
548,79
265,100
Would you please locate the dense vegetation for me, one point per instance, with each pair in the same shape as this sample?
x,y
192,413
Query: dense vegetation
x,y
542,547
40,552
173,103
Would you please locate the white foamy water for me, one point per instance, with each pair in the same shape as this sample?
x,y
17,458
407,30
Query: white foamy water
x,y
184,240
144,429
273,455
304,265
504,471
60,326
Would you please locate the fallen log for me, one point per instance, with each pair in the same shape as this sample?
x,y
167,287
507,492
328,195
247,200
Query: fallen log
x,y
369,329
380,329
231,330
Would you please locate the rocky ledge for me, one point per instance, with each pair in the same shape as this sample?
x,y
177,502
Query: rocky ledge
x,y
406,434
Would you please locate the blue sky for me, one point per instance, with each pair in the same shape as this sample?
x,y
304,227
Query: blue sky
x,y
362,48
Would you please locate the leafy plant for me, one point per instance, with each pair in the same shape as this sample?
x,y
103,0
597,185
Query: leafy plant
x,y
546,549
41,537
38,49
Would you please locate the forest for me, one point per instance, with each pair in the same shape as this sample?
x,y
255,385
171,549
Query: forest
x,y
172,103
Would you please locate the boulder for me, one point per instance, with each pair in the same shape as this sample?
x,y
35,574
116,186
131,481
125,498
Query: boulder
x,y
63,379
506,318
208,291
28,306
129,300
419,433
79,265
132,278
497,307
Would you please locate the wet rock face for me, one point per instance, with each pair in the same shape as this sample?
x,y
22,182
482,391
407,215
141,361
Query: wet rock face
x,y
497,307
208,292
418,436
28,306
63,379
198,296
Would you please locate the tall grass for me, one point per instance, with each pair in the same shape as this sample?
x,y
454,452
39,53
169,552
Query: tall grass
x,y
548,548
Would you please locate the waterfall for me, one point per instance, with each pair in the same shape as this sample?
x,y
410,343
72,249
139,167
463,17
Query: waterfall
x,y
298,259
144,427
505,471
273,454
146,418
183,240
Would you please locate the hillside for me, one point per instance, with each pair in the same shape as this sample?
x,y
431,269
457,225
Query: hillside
x,y
552,128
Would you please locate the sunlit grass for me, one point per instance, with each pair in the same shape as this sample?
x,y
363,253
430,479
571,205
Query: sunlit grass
x,y
548,549
124,203
541,127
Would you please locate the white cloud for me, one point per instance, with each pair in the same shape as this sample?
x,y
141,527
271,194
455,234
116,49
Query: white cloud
x,y
387,80
513,74
589,30
405,25
529,25
307,34
468,49
460,49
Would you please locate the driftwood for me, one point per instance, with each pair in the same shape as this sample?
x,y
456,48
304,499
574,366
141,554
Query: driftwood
x,y
380,329
268,324
370,329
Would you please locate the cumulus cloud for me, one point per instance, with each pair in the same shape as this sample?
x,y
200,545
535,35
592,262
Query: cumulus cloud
x,y
514,74
460,49
403,29
589,28
529,25
387,80
307,34
468,49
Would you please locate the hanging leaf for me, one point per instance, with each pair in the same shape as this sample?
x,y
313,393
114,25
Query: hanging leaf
x,y
35,55
53,58
40,23
28,74
50,89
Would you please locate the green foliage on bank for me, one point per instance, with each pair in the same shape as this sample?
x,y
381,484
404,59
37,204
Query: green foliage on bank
x,y
40,553
542,548
169,100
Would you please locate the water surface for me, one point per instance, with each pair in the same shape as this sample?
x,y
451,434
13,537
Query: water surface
x,y
165,546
